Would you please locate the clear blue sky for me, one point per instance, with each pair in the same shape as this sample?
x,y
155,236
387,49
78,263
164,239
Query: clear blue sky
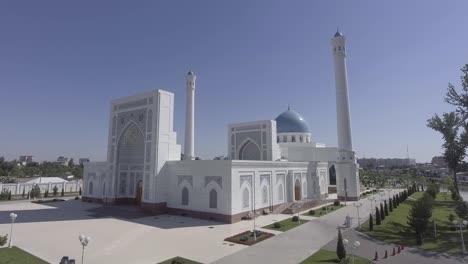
x,y
61,62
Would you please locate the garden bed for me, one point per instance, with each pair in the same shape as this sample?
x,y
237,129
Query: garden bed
x,y
48,201
285,225
328,257
18,256
323,210
247,237
179,260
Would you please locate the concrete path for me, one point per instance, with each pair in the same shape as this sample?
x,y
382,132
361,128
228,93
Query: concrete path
x,y
409,255
299,243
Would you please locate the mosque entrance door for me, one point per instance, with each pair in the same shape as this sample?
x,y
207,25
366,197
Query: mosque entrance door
x,y
139,191
297,190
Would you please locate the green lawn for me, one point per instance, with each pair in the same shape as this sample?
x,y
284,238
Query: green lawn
x,y
286,224
323,210
395,229
15,255
326,256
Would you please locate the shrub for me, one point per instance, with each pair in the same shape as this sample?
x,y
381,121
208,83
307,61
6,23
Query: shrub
x,y
35,191
336,203
63,193
371,223
244,238
77,197
55,190
4,194
22,195
340,248
324,208
79,193
46,194
9,195
295,218
277,225
3,240
378,220
312,212
451,217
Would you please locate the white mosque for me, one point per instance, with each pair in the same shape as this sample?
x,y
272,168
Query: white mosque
x,y
272,165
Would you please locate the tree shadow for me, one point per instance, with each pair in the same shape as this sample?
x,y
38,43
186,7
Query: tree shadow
x,y
72,210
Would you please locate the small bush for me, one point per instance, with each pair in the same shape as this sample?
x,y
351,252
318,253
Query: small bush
x,y
77,197
453,228
277,225
312,212
244,238
336,203
3,240
324,208
295,218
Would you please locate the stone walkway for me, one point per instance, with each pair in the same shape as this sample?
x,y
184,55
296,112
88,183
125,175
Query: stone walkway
x,y
295,245
299,243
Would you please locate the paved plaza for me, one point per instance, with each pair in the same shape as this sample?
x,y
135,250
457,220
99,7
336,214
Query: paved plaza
x,y
51,231
125,235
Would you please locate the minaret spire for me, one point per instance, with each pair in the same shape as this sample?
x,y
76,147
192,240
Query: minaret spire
x,y
189,149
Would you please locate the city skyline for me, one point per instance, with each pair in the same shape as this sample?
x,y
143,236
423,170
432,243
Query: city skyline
x,y
247,65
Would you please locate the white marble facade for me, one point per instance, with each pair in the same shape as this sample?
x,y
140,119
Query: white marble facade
x,y
272,163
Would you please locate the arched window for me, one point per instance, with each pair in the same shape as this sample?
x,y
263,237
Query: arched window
x,y
246,198
213,199
285,138
280,192
249,151
265,195
90,187
304,189
277,139
301,139
185,196
293,139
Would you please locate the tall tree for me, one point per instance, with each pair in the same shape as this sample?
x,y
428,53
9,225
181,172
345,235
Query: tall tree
x,y
382,212
371,223
378,221
419,215
340,248
71,163
455,143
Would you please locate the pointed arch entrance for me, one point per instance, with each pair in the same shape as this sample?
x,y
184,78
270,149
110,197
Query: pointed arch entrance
x,y
297,190
249,151
130,162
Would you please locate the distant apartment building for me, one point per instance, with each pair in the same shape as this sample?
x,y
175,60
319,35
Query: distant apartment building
x,y
439,161
25,159
83,160
388,163
62,160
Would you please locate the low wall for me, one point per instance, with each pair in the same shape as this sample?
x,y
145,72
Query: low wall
x,y
18,188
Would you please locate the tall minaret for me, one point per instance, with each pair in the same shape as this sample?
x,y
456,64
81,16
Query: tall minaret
x,y
343,118
189,153
347,170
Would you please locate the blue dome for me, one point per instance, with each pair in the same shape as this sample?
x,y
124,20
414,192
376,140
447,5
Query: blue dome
x,y
291,121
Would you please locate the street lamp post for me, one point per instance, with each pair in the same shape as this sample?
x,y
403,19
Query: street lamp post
x,y
358,205
252,215
352,247
461,226
13,217
84,240
371,199
382,194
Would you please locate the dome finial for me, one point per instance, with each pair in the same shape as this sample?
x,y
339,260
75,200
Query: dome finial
x,y
190,72
338,33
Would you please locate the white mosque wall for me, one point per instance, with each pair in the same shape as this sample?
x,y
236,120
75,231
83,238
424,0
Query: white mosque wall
x,y
199,178
253,141
95,179
308,152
